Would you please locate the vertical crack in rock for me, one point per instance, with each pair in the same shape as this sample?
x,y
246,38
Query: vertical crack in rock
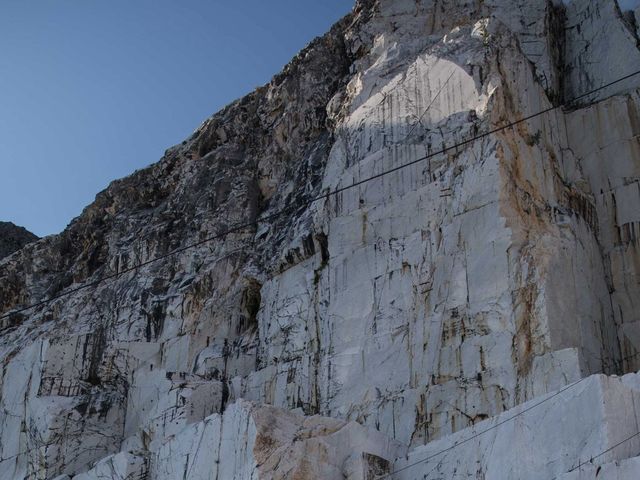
x,y
367,331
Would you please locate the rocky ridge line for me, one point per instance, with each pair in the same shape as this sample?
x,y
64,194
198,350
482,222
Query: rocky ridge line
x,y
13,238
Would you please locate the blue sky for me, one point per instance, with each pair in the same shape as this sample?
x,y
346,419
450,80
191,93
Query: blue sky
x,y
91,90
629,4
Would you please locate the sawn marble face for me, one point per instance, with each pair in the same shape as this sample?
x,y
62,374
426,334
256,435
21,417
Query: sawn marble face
x,y
358,334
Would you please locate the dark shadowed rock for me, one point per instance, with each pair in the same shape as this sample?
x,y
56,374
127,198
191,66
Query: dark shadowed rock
x,y
13,238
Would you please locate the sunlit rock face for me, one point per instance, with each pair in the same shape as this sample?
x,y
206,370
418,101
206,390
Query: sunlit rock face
x,y
409,324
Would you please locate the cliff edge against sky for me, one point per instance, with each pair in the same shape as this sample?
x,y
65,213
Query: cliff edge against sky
x,y
331,279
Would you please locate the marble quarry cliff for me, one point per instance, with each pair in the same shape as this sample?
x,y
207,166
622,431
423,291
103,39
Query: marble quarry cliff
x,y
358,271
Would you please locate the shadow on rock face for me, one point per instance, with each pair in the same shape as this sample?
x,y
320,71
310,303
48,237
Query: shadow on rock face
x,y
13,238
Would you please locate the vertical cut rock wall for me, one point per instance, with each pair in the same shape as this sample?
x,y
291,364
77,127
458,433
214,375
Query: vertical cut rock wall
x,y
444,296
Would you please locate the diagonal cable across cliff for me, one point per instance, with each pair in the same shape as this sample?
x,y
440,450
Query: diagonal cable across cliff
x,y
325,196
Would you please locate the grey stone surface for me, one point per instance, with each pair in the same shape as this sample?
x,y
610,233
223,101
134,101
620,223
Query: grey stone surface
x,y
13,238
389,320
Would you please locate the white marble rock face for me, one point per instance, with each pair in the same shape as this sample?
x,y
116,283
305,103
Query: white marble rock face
x,y
429,322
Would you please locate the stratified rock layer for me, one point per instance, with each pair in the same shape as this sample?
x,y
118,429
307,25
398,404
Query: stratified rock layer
x,y
440,292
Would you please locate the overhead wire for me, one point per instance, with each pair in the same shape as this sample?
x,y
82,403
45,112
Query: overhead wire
x,y
479,434
604,452
526,410
546,399
325,196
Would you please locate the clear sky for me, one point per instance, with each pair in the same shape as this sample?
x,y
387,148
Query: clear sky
x,y
91,90
629,4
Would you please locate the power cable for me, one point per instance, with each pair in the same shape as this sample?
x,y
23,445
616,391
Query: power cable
x,y
497,425
326,196
308,202
476,435
580,464
493,427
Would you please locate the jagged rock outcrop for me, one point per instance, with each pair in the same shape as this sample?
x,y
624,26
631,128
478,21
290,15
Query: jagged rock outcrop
x,y
438,292
13,238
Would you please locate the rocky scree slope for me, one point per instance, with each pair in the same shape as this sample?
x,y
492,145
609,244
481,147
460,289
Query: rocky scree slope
x,y
366,332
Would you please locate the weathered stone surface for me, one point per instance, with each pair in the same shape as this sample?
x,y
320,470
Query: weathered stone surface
x,y
13,238
601,46
621,470
609,162
250,441
119,466
548,437
410,309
